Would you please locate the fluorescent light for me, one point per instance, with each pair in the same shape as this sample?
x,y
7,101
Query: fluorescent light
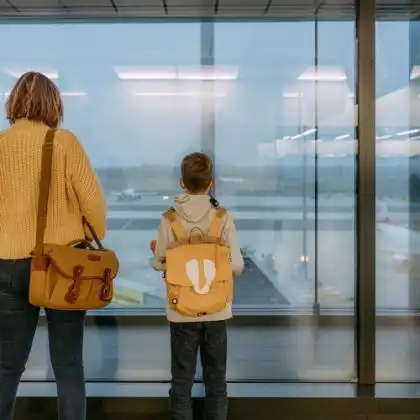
x,y
305,133
290,95
310,131
73,94
344,136
184,94
386,136
145,73
173,73
208,73
50,73
323,74
408,132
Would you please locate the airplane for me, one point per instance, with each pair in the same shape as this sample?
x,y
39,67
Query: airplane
x,y
400,242
131,194
233,180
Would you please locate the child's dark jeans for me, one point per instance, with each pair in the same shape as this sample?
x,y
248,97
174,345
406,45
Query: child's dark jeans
x,y
186,338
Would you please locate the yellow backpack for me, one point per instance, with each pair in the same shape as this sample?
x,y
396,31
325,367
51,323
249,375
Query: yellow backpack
x,y
198,268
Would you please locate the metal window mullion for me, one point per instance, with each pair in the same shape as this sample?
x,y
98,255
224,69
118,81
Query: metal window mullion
x,y
208,123
366,192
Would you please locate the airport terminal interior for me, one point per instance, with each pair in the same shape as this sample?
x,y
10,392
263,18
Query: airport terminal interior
x,y
310,110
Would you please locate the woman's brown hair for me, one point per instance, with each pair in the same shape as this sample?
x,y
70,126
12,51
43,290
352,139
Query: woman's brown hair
x,y
35,97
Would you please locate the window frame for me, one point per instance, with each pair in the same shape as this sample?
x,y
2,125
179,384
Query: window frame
x,y
364,317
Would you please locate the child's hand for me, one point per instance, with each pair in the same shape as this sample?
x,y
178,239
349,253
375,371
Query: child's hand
x,y
152,246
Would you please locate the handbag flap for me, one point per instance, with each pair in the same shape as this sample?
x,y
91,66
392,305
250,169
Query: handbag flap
x,y
91,264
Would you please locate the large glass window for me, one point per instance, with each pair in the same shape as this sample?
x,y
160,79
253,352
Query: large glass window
x,y
273,103
132,97
398,189
284,152
285,166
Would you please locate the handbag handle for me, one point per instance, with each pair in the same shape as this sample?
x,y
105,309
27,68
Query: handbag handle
x,y
81,243
44,192
93,233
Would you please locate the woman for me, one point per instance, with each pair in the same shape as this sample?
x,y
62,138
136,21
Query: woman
x,y
33,107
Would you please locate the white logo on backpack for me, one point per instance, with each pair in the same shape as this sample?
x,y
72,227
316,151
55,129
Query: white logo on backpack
x,y
193,273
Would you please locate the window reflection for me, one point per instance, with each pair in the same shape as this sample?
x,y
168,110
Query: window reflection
x,y
284,150
132,94
397,198
285,154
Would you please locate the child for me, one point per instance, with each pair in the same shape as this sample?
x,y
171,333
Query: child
x,y
198,238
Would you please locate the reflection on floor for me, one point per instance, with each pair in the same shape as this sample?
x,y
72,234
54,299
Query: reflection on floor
x,y
141,353
297,351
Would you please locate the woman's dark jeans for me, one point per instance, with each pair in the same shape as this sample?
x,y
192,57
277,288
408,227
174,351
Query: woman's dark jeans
x,y
18,321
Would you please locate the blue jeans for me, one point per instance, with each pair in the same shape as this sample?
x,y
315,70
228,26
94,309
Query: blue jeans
x,y
186,338
18,322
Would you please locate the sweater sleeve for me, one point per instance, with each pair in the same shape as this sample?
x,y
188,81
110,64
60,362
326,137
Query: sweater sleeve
x,y
87,188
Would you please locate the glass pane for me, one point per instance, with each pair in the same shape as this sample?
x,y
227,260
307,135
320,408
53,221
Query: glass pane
x,y
284,152
134,117
397,200
277,114
136,121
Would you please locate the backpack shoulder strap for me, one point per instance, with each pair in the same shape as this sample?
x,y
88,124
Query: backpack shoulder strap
x,y
216,224
175,223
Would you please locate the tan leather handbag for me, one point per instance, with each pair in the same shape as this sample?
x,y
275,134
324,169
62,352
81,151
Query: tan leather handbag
x,y
76,276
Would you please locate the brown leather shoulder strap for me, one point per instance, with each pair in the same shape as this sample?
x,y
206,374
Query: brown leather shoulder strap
x,y
44,190
175,223
216,224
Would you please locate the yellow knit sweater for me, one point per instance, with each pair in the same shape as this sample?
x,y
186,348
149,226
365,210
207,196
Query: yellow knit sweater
x,y
74,192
